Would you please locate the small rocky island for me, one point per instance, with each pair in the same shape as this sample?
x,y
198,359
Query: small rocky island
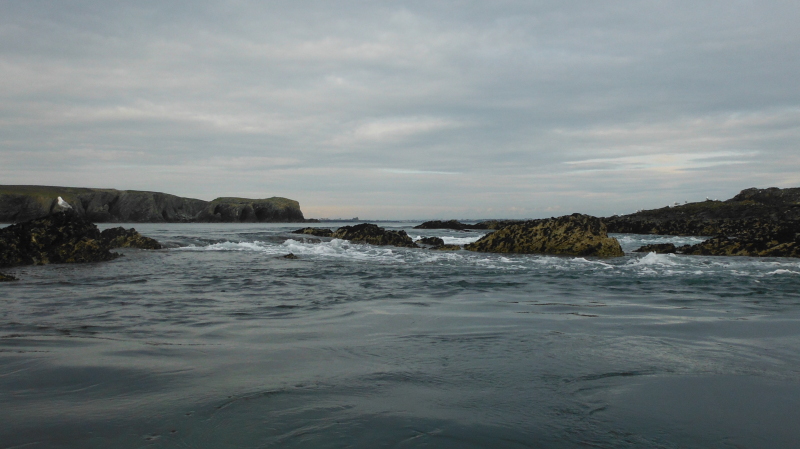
x,y
22,203
64,237
756,223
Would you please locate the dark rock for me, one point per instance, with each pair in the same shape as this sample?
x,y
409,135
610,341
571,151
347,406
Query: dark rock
x,y
438,224
127,238
64,237
658,248
433,241
6,278
575,235
290,256
447,248
374,235
495,224
761,246
318,232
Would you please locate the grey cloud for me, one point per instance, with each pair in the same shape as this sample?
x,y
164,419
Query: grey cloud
x,y
404,110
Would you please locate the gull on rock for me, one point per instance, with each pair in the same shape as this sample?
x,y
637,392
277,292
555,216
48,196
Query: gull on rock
x,y
63,203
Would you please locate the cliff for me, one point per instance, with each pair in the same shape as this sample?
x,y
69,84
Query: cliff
x,y
22,203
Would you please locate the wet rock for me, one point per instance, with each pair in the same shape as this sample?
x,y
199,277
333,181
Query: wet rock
x,y
658,248
447,248
432,241
374,235
127,238
742,246
575,235
64,237
495,224
290,256
6,278
318,232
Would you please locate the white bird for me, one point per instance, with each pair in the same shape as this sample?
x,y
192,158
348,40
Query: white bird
x,y
63,204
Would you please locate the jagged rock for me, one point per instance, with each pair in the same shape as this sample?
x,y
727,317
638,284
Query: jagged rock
x,y
447,248
658,248
372,234
433,241
64,237
290,256
318,232
127,238
575,235
6,278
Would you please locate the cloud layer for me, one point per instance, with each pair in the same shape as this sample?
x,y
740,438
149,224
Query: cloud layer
x,y
412,110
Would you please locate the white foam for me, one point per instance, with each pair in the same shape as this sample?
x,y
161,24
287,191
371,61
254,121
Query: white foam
x,y
655,259
781,271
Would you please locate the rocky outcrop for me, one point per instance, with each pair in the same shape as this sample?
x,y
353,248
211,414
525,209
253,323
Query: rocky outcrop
x,y
753,208
727,246
64,237
446,248
432,241
317,232
6,278
374,235
22,203
574,235
127,238
449,224
658,248
458,226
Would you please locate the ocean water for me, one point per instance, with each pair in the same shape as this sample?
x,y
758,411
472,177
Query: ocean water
x,y
218,342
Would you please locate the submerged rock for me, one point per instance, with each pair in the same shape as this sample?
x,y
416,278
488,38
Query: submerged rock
x,y
318,232
63,237
127,238
449,224
374,235
658,248
6,278
289,256
574,235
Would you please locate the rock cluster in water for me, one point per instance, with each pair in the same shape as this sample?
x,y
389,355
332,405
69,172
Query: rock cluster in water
x,y
64,237
437,244
374,235
575,235
317,232
22,203
658,248
756,222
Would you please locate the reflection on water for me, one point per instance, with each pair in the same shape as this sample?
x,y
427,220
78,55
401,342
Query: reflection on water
x,y
219,342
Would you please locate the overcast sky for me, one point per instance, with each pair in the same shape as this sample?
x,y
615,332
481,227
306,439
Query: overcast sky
x,y
449,109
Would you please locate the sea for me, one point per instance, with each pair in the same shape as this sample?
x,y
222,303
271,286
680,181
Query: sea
x,y
218,341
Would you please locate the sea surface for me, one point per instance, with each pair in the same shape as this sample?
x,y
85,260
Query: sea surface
x,y
219,342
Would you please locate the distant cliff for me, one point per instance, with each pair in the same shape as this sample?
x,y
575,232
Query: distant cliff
x,y
21,203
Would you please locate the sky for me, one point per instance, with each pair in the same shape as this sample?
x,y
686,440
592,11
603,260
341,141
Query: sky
x,y
405,110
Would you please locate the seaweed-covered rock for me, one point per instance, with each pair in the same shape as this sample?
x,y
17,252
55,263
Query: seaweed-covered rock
x,y
6,278
120,237
289,256
495,224
447,247
433,241
374,235
730,246
318,232
658,248
64,237
575,235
